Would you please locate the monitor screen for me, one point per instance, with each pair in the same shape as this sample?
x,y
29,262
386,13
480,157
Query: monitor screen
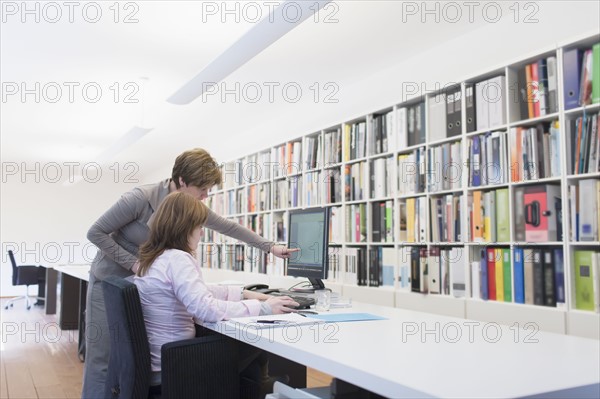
x,y
308,230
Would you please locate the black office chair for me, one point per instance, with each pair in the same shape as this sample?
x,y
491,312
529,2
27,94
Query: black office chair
x,y
25,275
204,367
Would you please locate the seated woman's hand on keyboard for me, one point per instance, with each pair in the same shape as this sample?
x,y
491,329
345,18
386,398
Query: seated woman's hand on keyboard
x,y
281,304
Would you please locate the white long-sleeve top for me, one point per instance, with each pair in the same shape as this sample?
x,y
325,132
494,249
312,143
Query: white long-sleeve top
x,y
173,295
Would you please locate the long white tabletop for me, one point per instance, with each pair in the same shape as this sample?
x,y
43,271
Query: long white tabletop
x,y
414,354
81,271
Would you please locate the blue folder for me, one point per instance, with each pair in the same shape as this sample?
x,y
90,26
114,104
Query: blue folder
x,y
572,77
341,317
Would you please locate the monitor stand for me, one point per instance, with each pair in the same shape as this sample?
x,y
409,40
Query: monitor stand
x,y
317,284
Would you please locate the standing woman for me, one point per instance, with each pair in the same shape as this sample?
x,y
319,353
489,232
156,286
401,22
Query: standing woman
x,y
120,231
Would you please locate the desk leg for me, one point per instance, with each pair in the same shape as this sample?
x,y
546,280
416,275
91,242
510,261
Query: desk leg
x,y
297,372
41,295
51,286
82,306
69,302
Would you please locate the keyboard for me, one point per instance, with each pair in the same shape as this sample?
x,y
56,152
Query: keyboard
x,y
303,301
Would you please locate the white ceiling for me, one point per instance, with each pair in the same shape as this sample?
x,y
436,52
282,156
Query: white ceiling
x,y
168,46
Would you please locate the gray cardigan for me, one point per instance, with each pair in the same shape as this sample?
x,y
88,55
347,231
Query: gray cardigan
x,y
120,231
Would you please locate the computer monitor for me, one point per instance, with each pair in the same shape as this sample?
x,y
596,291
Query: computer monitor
x,y
309,230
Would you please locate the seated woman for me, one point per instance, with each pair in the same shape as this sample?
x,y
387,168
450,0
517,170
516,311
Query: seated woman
x,y
172,291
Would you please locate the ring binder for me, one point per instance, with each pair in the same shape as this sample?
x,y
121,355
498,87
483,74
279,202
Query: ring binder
x,y
532,213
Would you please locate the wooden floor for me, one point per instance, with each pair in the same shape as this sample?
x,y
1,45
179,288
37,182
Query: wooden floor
x,y
38,360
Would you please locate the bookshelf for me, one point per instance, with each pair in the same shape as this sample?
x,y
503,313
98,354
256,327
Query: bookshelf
x,y
401,181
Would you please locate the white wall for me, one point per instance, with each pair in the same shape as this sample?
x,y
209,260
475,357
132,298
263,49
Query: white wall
x,y
46,223
490,46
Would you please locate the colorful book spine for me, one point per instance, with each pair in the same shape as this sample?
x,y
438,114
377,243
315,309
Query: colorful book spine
x,y
499,275
596,73
506,274
538,277
389,222
559,276
483,276
584,283
475,162
549,280
491,273
528,275
519,278
502,216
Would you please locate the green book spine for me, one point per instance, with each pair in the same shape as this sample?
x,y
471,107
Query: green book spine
x,y
389,222
502,227
584,283
596,73
507,276
363,222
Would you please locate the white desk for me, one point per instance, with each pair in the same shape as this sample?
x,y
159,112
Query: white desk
x,y
80,271
399,358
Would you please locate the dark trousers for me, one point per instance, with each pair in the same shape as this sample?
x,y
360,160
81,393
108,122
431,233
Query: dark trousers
x,y
248,355
252,361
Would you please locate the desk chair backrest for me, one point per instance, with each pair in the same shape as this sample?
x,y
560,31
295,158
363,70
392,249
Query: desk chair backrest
x,y
15,270
25,275
129,365
203,367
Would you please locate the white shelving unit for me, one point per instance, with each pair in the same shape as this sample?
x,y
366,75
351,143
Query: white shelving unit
x,y
561,319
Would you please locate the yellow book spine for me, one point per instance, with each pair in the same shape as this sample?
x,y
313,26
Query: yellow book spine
x,y
347,142
487,228
499,275
477,222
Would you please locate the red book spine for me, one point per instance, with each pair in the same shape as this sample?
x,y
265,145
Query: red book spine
x,y
491,274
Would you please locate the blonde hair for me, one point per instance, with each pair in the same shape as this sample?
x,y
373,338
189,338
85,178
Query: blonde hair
x,y
197,168
174,222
